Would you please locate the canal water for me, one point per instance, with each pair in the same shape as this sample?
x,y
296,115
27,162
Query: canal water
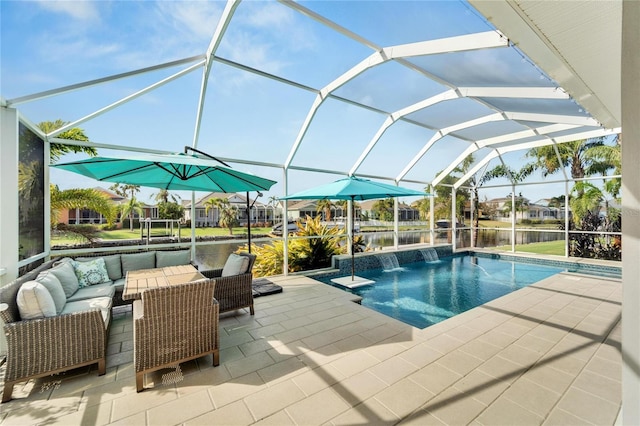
x,y
214,255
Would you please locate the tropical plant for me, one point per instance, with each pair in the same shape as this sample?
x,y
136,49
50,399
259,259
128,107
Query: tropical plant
x,y
592,245
130,208
324,206
304,254
588,202
57,150
316,253
423,206
227,213
168,210
81,198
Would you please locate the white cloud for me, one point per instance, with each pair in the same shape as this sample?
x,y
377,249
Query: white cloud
x,y
81,10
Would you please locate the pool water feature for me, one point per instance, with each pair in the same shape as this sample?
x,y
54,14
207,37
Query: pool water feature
x,y
424,293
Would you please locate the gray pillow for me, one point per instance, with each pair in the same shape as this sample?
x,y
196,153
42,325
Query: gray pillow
x,y
136,261
53,285
65,273
172,258
114,268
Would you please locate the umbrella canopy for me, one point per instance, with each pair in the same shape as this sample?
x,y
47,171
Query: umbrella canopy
x,y
353,188
171,171
168,171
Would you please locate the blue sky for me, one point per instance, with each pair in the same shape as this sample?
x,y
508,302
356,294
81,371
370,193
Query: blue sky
x,y
50,44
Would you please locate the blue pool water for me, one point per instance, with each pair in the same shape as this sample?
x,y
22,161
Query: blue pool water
x,y
424,293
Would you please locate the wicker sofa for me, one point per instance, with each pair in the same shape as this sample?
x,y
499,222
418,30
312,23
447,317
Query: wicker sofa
x,y
75,333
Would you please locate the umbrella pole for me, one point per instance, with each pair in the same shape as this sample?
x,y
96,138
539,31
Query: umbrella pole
x,y
352,245
248,223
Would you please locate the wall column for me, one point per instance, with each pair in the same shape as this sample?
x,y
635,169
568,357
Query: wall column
x,y
630,91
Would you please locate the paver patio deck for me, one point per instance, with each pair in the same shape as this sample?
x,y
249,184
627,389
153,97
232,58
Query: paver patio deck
x,y
545,354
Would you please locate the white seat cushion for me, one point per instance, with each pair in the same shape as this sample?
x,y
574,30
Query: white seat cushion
x,y
34,301
235,265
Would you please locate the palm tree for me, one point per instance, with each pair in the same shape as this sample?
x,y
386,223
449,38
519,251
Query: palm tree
x,y
163,196
131,207
325,207
588,202
227,214
123,189
521,205
80,198
581,157
57,150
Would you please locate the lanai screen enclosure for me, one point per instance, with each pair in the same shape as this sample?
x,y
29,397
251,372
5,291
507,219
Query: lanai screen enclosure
x,y
303,93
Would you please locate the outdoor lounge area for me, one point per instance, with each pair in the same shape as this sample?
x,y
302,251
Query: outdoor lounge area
x,y
546,354
443,104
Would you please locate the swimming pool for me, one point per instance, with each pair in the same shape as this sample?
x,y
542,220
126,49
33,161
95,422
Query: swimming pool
x,y
424,293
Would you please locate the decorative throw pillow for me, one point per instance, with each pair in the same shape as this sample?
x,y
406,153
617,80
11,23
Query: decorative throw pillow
x,y
172,258
66,274
34,301
53,285
114,267
92,272
235,265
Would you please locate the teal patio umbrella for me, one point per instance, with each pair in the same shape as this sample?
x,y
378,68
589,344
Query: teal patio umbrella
x,y
171,171
168,171
354,189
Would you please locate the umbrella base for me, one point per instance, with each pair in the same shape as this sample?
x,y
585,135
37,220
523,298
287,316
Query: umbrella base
x,y
352,283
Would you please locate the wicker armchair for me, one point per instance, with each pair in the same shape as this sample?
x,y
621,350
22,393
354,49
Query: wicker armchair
x,y
172,325
234,292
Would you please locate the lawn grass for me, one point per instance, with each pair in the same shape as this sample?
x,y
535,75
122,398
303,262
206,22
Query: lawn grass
x,y
547,247
126,234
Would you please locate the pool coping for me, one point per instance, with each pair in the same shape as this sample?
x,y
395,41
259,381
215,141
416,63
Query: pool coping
x,y
341,264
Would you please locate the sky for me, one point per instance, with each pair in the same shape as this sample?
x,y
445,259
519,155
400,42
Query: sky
x,y
51,44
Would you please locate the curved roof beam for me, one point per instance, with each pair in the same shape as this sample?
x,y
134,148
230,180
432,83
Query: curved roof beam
x,y
393,117
560,120
446,45
223,23
485,92
126,99
534,144
442,133
552,118
514,92
484,143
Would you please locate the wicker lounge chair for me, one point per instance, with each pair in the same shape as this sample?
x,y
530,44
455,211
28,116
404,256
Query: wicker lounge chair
x,y
235,291
173,325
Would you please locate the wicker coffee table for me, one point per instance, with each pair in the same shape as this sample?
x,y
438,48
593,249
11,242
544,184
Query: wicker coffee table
x,y
138,281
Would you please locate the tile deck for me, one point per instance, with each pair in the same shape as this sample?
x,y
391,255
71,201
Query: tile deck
x,y
546,354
